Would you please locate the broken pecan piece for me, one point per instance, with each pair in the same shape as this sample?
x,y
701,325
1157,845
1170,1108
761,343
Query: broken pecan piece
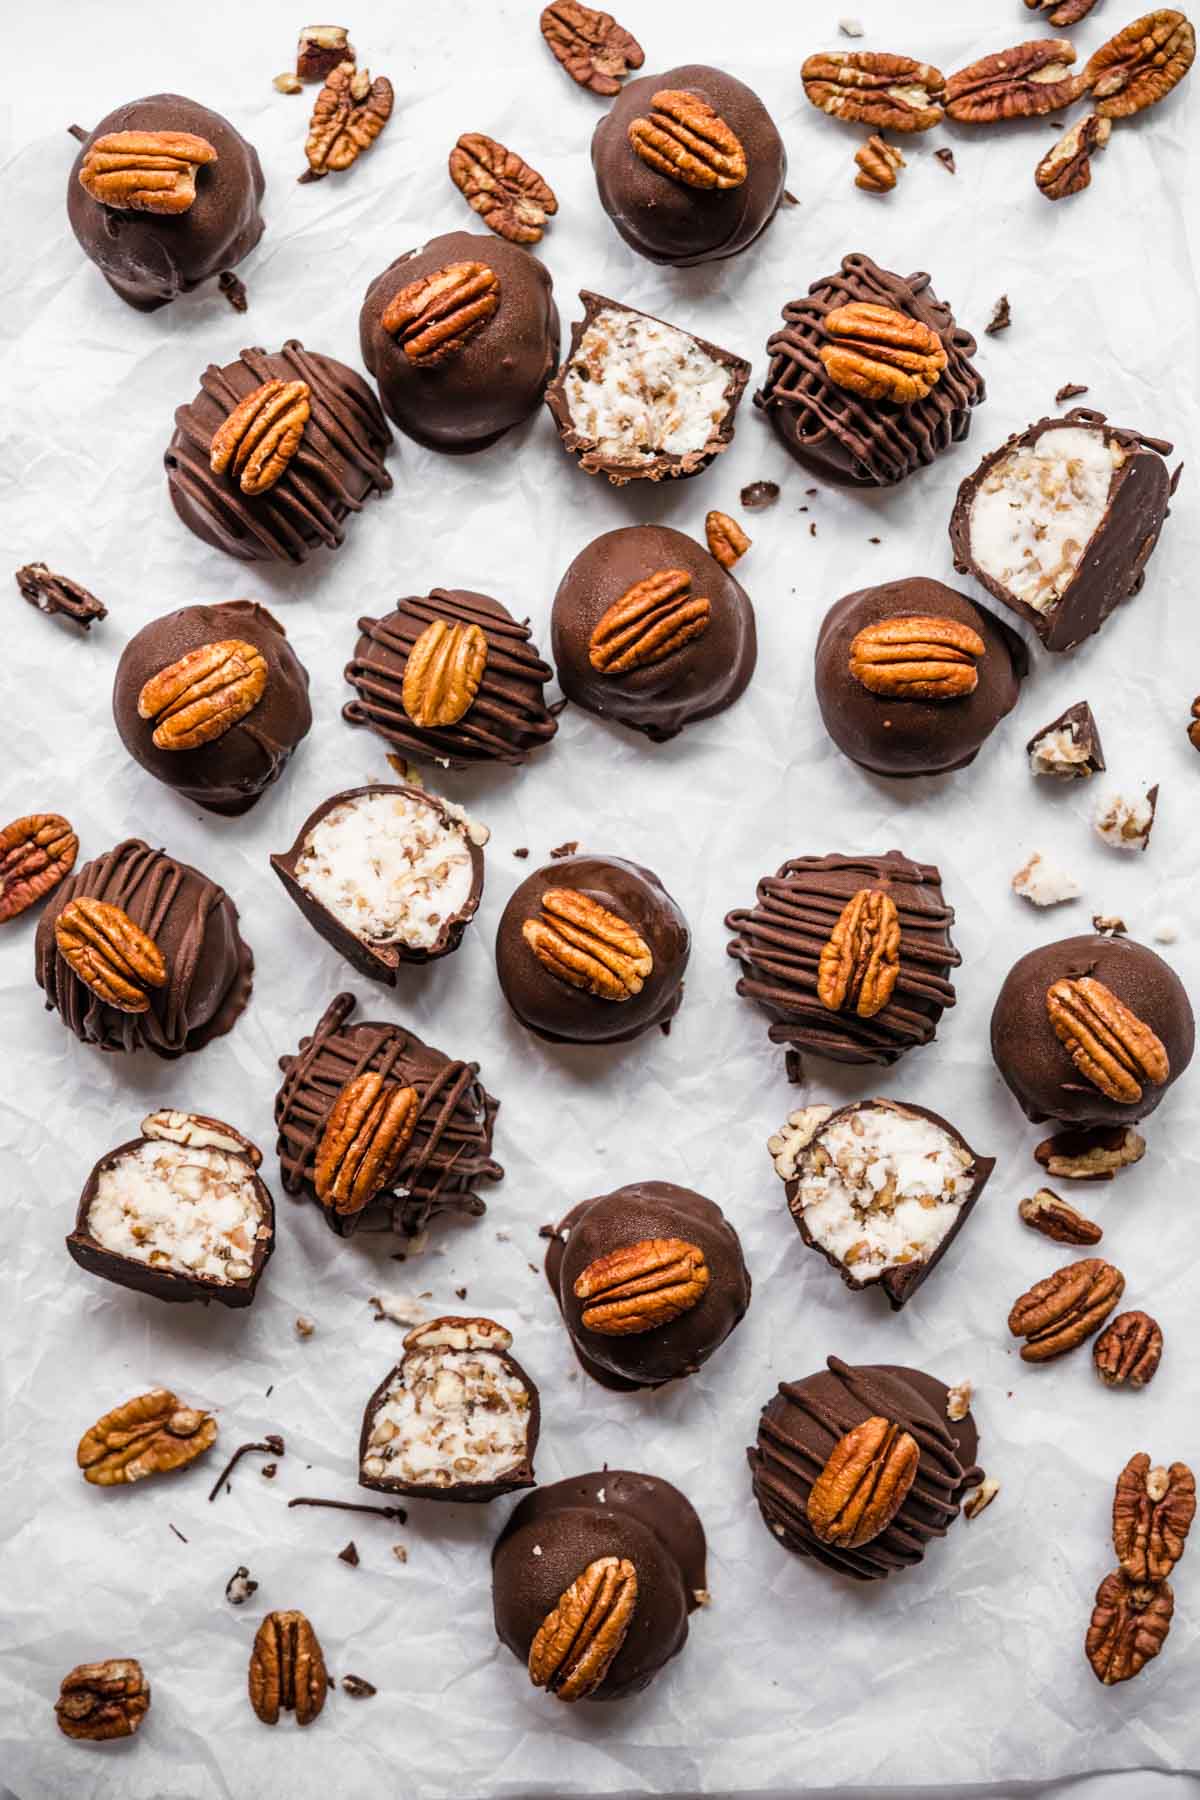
x,y
688,142
1021,83
1109,1045
593,49
1153,1509
110,954
1066,168
364,1140
576,1644
1062,12
1066,1308
1057,1219
1129,1626
350,112
287,1669
860,962
103,1700
52,593
261,435
917,658
145,171
882,354
151,1434
36,853
873,87
584,944
1141,64
642,1286
1094,1153
727,542
1129,1350
443,672
434,316
650,621
202,696
864,1483
877,162
509,196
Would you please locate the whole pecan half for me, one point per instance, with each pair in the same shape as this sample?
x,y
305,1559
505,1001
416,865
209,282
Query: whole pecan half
x,y
287,1669
1066,168
1057,1219
1094,1153
261,435
917,658
1129,1626
651,621
1109,1045
1066,1308
1153,1509
1141,64
576,1644
860,961
1129,1350
642,1286
864,1483
873,87
434,316
102,1700
36,853
152,1434
1062,12
509,196
593,49
1022,83
202,696
878,162
364,1140
109,953
881,353
52,593
145,171
688,142
587,946
350,112
727,542
443,672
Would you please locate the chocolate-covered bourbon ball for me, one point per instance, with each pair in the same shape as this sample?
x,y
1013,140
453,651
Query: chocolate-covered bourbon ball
x,y
650,1281
814,1433
689,165
274,454
650,630
212,701
870,378
593,1580
462,337
163,196
592,950
137,951
912,678
1091,1030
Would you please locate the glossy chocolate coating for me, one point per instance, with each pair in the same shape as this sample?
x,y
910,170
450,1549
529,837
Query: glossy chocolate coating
x,y
229,774
1078,721
841,436
552,1008
148,258
450,1152
497,379
1113,566
1037,1067
630,1215
779,943
799,1428
904,737
195,925
701,678
508,717
557,1532
666,220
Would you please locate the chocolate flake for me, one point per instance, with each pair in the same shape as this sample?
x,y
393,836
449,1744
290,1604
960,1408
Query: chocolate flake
x,y
1001,317
357,1688
272,1445
234,290
349,1555
177,1532
398,1513
52,593
946,158
759,494
874,540
1070,391
522,852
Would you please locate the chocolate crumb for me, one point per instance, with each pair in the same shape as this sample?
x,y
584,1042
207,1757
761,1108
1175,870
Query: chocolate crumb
x,y
946,158
547,1231
564,850
240,1586
52,593
874,540
1070,391
1001,317
78,133
812,528
272,1445
812,490
349,1555
758,494
357,1688
177,1532
269,1471
234,290
460,1293
789,199
523,852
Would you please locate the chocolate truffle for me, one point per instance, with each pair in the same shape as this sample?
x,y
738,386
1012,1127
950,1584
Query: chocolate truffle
x,y
212,701
274,454
1069,747
862,400
163,196
625,1554
881,1190
386,875
1092,1030
650,1280
637,399
849,955
803,1430
382,1131
1060,521
912,678
179,1213
462,337
592,950
650,630
452,678
137,951
456,1419
689,165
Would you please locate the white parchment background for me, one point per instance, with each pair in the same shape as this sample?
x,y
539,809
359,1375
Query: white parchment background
x,y
971,1667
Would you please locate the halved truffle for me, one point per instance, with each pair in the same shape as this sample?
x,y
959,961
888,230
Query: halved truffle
x,y
640,400
1069,747
386,874
179,1213
456,1419
1060,521
880,1189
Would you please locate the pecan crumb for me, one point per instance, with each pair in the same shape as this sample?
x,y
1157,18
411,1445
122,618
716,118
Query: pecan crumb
x,y
400,1553
357,1688
305,1327
52,593
1001,317
564,850
980,1498
234,290
958,1401
946,158
789,199
287,83
1070,390
851,28
1109,925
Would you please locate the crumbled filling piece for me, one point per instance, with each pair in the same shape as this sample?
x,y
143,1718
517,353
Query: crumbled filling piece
x,y
1044,884
452,1416
636,387
389,868
1125,823
1037,510
1060,753
193,1210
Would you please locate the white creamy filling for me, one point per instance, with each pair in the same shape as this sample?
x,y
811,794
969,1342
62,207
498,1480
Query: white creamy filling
x,y
637,387
452,1416
1059,753
1124,823
1043,883
388,868
189,1209
1037,510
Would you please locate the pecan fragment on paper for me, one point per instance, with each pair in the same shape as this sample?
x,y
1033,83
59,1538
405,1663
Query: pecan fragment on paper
x,y
1109,1045
1062,12
1066,168
510,197
109,953
642,1286
261,435
1059,1313
860,962
880,353
103,1700
1129,1350
685,140
864,1483
1058,1219
350,112
442,674
651,621
917,658
287,1669
434,316
1141,64
364,1140
36,853
52,593
1022,83
878,163
202,696
576,1643
589,947
1129,1626
1093,1153
594,50
873,87
1153,1510
151,1434
727,542
145,171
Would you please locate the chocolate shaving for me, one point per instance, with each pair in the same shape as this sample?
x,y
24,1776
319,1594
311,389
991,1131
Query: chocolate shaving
x,y
523,852
1001,317
272,1445
789,199
234,290
357,1688
52,593
946,158
759,494
355,1506
177,1532
349,1555
1069,392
